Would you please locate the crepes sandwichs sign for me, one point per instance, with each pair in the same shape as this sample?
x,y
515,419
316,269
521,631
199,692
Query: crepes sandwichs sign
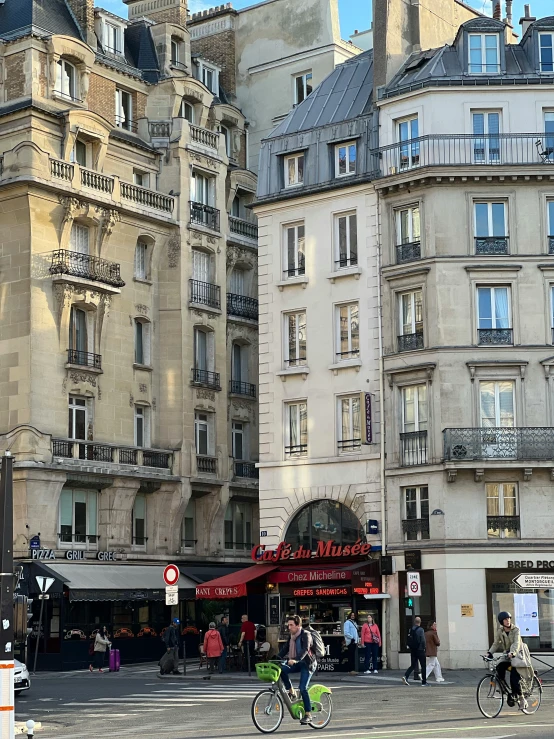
x,y
324,550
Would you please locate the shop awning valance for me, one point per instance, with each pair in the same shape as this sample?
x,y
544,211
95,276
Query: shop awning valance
x,y
233,585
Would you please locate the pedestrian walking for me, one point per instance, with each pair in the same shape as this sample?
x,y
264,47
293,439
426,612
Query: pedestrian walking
x,y
248,640
172,639
101,643
351,639
432,642
224,634
417,646
213,647
371,640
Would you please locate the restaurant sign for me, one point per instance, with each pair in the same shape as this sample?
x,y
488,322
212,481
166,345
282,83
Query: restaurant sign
x,y
324,550
308,576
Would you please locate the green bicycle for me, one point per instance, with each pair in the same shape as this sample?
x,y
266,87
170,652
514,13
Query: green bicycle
x,y
268,705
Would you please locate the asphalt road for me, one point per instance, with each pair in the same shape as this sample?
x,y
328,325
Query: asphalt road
x,y
135,703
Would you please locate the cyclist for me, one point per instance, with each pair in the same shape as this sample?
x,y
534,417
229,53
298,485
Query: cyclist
x,y
508,639
300,658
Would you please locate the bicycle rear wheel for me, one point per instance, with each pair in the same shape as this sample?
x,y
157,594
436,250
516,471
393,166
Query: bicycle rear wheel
x,y
321,711
534,697
490,697
267,711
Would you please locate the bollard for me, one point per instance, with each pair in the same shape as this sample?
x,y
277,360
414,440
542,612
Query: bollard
x,y
30,728
248,657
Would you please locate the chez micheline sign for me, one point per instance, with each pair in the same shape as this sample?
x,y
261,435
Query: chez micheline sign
x,y
324,550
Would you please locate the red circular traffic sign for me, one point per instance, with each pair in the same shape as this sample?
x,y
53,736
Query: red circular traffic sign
x,y
171,575
414,587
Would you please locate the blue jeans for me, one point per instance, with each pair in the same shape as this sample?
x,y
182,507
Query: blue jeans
x,y
371,655
223,660
305,677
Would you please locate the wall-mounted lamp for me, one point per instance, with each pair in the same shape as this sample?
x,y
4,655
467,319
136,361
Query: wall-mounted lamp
x,y
270,587
437,512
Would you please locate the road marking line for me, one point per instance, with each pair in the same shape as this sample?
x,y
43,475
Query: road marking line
x,y
376,733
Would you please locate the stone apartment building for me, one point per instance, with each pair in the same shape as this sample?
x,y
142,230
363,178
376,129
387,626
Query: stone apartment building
x,y
128,336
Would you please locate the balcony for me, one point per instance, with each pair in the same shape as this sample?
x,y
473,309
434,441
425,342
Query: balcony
x,y
204,215
241,227
61,170
410,342
413,448
296,450
242,306
84,359
204,293
87,267
491,245
97,181
206,465
346,261
495,336
508,526
112,454
523,443
205,378
147,198
242,388
349,445
408,252
204,137
247,470
551,244
416,528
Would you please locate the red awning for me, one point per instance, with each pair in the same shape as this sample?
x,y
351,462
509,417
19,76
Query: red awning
x,y
233,585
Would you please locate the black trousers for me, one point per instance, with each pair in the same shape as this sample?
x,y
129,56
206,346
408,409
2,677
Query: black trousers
x,y
417,657
351,651
515,677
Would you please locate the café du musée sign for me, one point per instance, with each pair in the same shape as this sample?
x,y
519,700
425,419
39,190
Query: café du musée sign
x,y
324,550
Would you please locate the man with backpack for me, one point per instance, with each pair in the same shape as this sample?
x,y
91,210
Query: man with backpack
x,y
417,646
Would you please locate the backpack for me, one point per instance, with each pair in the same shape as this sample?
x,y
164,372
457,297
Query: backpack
x,y
412,640
317,643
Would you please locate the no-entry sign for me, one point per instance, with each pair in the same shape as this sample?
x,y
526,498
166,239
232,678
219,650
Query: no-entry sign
x,y
414,584
171,575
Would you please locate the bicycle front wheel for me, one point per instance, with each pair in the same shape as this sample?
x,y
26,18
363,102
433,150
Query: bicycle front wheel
x,y
267,711
490,697
534,697
321,711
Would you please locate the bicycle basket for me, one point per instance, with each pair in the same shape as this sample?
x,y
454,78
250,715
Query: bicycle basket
x,y
267,672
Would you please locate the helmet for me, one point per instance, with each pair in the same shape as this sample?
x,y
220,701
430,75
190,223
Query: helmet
x,y
502,615
176,621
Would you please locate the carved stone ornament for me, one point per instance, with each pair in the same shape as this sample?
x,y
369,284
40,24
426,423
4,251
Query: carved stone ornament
x,y
173,250
192,93
142,309
78,377
71,207
202,394
131,401
237,255
99,389
108,219
142,387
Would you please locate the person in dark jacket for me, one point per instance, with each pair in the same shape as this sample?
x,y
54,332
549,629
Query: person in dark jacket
x,y
172,641
300,658
417,645
223,629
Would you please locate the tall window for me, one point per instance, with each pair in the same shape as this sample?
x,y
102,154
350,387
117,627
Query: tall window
x,y
238,373
238,445
80,153
296,429
188,533
486,143
294,170
491,228
552,311
187,111
494,315
550,206
409,153
78,340
502,510
123,109
226,138
210,77
142,342
349,424
497,404
202,189
346,240
484,54
295,346
416,523
66,77
176,50
139,520
201,433
201,349
411,321
238,526
113,38
295,250
141,260
408,225
302,87
414,425
79,238
201,263
236,283
142,426
347,331
77,418
546,52
345,159
549,139
78,516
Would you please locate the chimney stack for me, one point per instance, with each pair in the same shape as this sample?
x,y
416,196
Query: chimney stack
x,y
497,10
83,10
527,19
509,18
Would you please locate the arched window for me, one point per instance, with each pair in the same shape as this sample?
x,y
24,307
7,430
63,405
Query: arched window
x,y
324,520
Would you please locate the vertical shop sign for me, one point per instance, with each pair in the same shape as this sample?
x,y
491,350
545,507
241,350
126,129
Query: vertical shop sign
x,y
526,606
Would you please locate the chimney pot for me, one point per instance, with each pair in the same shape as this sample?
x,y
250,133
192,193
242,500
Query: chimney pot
x,y
527,9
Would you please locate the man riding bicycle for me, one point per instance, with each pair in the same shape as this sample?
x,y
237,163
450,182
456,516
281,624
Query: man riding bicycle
x,y
300,658
508,640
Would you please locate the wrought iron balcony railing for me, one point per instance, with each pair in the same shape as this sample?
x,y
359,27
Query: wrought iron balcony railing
x,y
413,448
408,252
295,271
352,354
74,263
494,336
551,244
204,215
242,388
206,465
491,245
206,378
242,306
507,524
204,293
244,228
409,342
95,452
296,450
346,260
84,359
68,536
349,445
416,526
456,150
517,443
247,469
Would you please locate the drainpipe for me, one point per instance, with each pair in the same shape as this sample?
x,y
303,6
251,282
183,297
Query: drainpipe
x,y
247,144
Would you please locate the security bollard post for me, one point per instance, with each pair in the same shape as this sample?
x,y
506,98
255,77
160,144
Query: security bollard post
x,y
248,657
30,728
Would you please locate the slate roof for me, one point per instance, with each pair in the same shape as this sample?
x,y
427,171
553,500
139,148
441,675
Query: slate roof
x,y
345,94
43,17
140,50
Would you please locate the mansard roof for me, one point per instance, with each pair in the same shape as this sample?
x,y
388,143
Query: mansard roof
x,y
42,17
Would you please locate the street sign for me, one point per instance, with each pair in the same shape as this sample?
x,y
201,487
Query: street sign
x,y
172,595
414,584
171,575
34,542
44,583
171,588
532,581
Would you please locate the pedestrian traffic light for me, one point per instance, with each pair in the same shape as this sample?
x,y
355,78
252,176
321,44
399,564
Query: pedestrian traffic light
x,y
29,615
409,602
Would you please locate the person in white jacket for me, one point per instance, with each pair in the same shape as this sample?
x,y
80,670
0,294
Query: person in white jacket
x,y
101,643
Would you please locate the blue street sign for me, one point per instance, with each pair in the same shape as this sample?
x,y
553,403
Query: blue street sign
x,y
34,542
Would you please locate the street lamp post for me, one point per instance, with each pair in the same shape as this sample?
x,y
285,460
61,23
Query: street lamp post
x,y
7,727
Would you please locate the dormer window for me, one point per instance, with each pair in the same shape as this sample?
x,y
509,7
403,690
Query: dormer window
x,y
123,109
546,55
209,76
66,76
113,38
484,53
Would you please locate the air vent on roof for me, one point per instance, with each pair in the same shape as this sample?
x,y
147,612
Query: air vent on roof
x,y
418,61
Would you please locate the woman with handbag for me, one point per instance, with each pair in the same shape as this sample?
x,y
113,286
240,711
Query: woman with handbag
x,y
371,639
508,639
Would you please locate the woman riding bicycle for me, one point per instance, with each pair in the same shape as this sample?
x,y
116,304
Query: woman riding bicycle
x,y
508,639
300,658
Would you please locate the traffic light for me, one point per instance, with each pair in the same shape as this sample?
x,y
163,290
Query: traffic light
x,y
29,615
409,602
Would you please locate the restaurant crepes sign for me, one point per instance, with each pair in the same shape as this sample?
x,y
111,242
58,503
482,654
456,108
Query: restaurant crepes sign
x,y
324,550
